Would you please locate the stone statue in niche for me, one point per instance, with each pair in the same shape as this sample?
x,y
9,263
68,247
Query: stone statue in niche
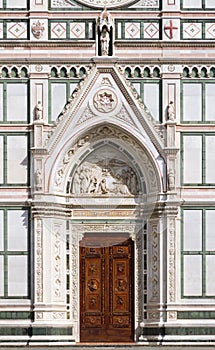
x,y
102,178
38,180
39,111
171,180
59,177
105,29
171,111
104,40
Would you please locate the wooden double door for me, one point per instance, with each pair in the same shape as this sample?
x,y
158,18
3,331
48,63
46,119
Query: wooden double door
x,y
106,289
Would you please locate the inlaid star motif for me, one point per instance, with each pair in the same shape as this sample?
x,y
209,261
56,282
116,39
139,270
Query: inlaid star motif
x,y
105,101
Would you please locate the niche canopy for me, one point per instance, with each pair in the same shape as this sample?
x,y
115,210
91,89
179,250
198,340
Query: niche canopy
x,y
105,3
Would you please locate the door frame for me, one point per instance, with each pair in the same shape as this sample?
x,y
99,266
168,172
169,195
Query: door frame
x,y
134,231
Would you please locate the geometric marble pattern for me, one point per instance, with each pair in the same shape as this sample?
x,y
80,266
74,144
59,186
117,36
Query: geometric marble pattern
x,y
146,4
192,30
17,30
132,30
150,3
210,30
77,30
151,30
63,3
58,30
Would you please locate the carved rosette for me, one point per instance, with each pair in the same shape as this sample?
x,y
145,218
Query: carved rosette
x,y
172,315
105,101
39,261
38,315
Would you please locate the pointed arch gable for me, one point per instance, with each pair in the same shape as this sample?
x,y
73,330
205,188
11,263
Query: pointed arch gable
x,y
105,94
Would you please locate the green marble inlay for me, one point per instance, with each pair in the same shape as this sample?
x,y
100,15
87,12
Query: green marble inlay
x,y
13,331
52,331
178,331
17,315
186,315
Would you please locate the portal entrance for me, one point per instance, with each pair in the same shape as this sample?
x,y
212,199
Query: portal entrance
x,y
106,288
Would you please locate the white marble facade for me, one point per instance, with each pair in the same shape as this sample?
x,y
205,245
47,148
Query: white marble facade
x,y
107,143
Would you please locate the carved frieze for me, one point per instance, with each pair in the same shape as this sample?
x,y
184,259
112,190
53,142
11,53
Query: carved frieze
x,y
57,262
39,261
154,278
139,277
75,274
171,253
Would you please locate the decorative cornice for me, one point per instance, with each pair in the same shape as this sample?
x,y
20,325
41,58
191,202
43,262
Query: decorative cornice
x,y
39,151
171,151
44,209
160,44
118,43
46,44
121,61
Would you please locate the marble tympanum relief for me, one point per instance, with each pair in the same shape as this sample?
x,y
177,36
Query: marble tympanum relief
x,y
105,171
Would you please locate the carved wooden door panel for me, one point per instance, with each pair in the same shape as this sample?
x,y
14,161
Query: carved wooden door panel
x,y
106,291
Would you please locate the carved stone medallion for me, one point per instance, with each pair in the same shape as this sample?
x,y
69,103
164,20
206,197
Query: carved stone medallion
x,y
105,101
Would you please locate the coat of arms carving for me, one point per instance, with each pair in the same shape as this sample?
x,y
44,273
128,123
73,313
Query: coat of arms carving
x,y
37,29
